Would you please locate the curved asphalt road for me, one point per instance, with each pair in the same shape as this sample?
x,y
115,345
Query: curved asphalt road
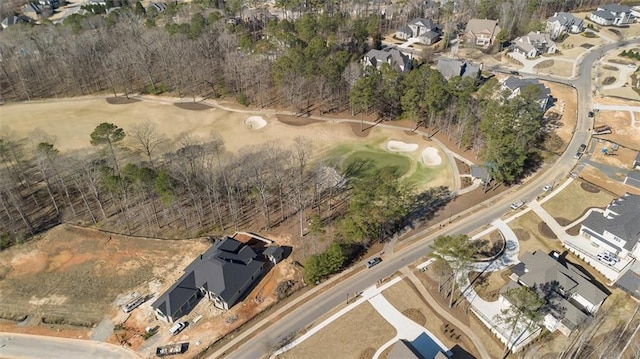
x,y
268,338
35,346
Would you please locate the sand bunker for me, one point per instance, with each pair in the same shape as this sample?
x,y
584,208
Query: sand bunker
x,y
255,122
398,146
430,156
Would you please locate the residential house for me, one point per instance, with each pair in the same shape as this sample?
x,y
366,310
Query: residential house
x,y
563,23
392,56
612,15
431,9
32,10
404,33
632,179
222,274
482,32
13,20
450,68
158,7
512,86
617,230
571,294
534,44
425,30
636,161
481,173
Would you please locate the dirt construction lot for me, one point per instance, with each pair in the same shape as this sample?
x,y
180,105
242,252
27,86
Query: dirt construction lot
x,y
75,275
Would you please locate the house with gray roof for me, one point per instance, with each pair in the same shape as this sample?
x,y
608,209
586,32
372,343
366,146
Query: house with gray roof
x,y
617,230
534,44
481,173
563,23
612,15
451,68
14,20
571,294
223,274
481,32
427,31
404,33
398,60
633,179
513,86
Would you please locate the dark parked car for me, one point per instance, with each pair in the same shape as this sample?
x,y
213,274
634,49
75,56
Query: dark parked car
x,y
591,114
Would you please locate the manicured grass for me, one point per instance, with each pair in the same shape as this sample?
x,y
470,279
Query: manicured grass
x,y
365,162
573,201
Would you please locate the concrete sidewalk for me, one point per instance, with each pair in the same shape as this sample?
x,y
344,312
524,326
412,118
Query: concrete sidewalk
x,y
466,330
422,340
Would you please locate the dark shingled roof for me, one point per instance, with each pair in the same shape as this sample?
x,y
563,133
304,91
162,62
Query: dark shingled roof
x,y
513,83
633,179
604,14
623,221
223,269
563,278
275,251
615,8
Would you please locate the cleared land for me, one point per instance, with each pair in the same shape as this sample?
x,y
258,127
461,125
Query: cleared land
x,y
622,130
75,275
555,67
565,105
354,335
574,200
598,178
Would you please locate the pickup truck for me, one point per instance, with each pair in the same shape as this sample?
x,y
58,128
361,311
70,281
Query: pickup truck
x,y
171,349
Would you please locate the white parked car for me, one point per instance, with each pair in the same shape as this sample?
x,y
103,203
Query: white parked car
x,y
517,205
547,188
177,328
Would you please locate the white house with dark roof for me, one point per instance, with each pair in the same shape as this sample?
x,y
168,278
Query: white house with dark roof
x,y
563,23
392,56
513,86
404,33
534,44
618,229
482,32
571,293
451,68
612,14
425,30
223,274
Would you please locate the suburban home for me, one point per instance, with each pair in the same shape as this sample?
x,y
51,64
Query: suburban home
x,y
13,20
572,294
425,30
222,274
158,7
512,86
481,173
563,23
482,32
32,10
632,179
404,33
450,68
612,14
617,230
392,56
534,44
636,162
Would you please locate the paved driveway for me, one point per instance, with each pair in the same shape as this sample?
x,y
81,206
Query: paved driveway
x,y
420,338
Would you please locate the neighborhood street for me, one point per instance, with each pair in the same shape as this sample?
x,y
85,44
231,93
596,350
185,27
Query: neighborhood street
x,y
273,333
14,345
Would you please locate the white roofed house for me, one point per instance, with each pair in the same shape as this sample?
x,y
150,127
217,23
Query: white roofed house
x,y
563,23
534,44
612,15
395,58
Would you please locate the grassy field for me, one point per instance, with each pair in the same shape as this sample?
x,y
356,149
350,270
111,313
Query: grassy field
x,y
357,334
573,201
364,163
